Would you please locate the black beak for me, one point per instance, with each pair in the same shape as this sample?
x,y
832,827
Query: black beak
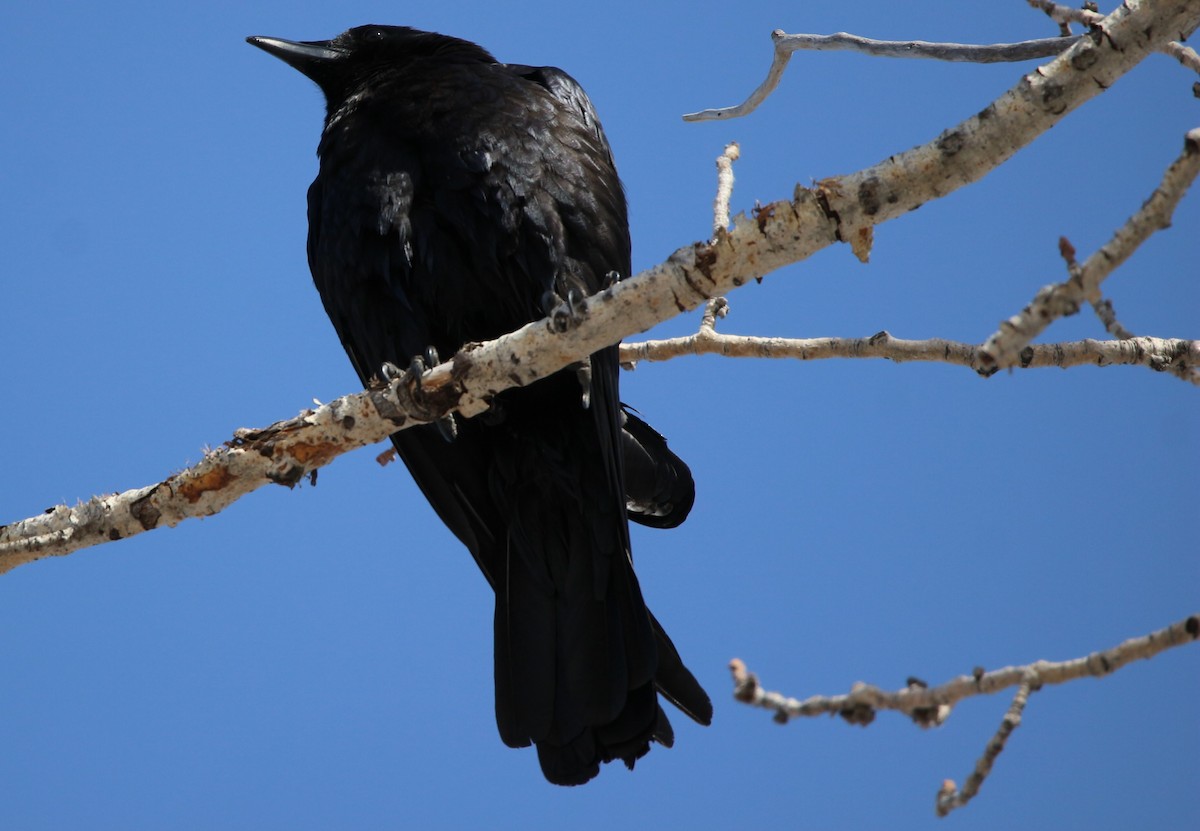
x,y
309,57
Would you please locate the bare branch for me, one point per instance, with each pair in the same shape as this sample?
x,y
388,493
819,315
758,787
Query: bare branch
x,y
931,706
785,45
1065,15
1180,357
1003,348
283,454
949,796
1108,316
724,188
1184,54
969,150
863,700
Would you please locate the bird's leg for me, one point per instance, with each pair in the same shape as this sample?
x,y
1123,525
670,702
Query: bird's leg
x,y
611,279
446,425
562,315
583,372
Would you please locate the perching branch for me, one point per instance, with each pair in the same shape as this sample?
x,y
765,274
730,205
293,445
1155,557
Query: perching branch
x,y
839,209
931,706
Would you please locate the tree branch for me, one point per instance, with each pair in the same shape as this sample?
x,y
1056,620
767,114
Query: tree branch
x,y
1004,347
1064,16
785,45
724,188
1181,357
838,209
949,796
931,706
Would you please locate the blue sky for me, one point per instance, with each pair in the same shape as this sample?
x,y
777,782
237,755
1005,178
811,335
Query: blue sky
x,y
321,657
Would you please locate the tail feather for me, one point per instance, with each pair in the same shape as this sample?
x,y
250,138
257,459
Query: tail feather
x,y
675,681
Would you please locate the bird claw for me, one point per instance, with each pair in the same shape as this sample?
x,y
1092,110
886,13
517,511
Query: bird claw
x,y
563,315
390,372
446,425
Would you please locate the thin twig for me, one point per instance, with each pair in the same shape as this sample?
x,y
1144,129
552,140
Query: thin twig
x,y
931,706
910,700
785,45
949,796
1186,55
724,188
1181,357
1108,316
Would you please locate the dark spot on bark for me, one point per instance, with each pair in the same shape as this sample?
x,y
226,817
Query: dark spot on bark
x,y
1085,58
706,258
1052,94
1192,626
693,285
114,534
950,143
348,422
862,714
145,513
868,196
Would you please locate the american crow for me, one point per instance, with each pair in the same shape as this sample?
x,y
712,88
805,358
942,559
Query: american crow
x,y
457,199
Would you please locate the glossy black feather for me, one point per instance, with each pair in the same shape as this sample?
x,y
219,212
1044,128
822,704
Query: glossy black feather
x,y
454,194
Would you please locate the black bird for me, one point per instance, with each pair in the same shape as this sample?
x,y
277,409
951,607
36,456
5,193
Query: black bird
x,y
458,199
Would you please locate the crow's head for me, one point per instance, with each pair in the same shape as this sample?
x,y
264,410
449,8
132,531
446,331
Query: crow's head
x,y
344,65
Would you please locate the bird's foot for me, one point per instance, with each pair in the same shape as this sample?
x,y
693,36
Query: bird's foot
x,y
446,425
562,315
